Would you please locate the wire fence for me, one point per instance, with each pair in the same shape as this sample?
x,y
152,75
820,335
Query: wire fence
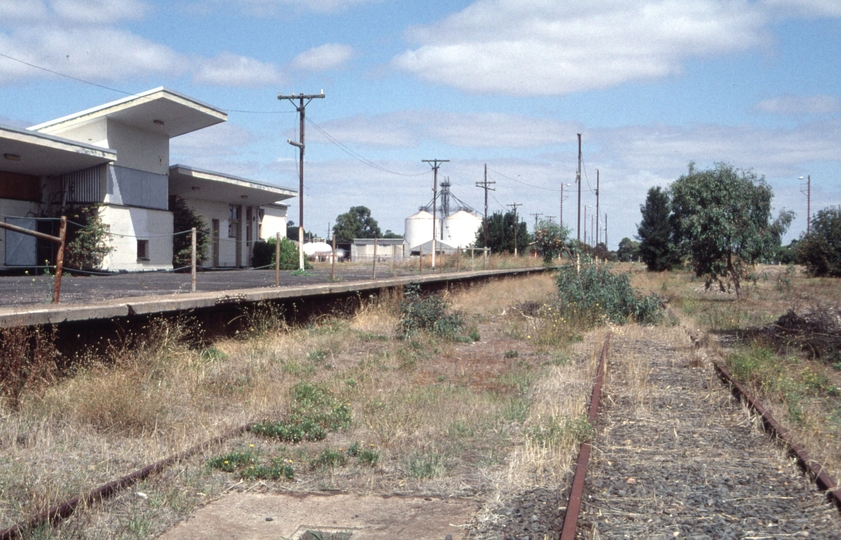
x,y
237,254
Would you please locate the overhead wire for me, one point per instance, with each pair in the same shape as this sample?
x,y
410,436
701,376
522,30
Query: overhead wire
x,y
112,89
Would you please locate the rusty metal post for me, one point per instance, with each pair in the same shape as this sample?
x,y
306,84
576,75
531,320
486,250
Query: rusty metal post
x,y
277,260
333,263
374,271
193,260
59,260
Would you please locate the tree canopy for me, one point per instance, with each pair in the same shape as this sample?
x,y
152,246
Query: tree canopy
x,y
551,239
722,220
628,250
655,232
356,223
820,250
501,233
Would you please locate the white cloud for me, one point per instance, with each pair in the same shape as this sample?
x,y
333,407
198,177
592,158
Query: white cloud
x,y
98,11
22,10
233,70
804,8
267,7
323,58
108,54
796,105
407,129
545,47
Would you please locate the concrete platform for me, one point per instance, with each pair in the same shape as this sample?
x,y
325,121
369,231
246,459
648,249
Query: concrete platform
x,y
24,300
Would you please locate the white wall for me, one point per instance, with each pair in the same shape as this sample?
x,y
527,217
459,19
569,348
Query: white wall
x,y
139,149
274,221
128,225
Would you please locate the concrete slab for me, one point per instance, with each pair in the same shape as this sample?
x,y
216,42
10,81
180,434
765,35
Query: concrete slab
x,y
248,516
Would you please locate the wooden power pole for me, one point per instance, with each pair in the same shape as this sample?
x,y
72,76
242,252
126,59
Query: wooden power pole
x,y
486,186
303,101
434,163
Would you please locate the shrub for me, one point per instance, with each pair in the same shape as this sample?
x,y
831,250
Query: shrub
x,y
595,294
264,254
427,313
87,242
185,218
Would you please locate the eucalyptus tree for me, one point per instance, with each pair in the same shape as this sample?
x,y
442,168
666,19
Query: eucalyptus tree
x,y
722,220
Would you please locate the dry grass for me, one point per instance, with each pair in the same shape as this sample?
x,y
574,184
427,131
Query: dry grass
x,y
801,391
482,418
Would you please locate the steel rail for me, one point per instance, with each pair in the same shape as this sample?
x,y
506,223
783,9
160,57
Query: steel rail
x,y
811,467
65,509
577,492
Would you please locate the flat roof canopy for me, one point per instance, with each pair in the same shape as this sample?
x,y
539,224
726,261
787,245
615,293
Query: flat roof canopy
x,y
190,183
159,110
37,154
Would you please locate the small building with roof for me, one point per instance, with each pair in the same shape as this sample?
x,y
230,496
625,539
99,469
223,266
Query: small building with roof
x,y
117,156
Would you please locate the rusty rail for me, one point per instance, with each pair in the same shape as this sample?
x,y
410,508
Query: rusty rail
x,y
61,240
806,463
65,509
577,492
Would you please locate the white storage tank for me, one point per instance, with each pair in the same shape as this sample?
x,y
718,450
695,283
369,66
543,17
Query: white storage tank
x,y
460,228
418,229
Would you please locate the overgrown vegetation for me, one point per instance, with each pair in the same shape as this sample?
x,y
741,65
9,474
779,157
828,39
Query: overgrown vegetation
x,y
595,294
87,239
820,250
265,251
185,218
427,312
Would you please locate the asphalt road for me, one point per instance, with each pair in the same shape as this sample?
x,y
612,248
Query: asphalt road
x,y
32,290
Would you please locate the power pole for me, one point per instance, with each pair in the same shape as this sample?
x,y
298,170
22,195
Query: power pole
x,y
605,232
578,181
597,209
486,186
434,163
515,205
561,220
535,220
302,111
808,194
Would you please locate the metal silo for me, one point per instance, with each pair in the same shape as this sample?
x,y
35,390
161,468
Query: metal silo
x,y
460,228
418,229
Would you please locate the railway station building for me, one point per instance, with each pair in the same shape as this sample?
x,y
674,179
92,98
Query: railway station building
x,y
117,156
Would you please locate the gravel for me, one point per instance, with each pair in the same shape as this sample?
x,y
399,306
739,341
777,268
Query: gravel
x,y
690,462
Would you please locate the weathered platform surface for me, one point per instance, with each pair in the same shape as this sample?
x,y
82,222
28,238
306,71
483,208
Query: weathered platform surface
x,y
24,300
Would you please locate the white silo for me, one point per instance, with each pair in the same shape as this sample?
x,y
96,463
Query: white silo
x,y
460,228
418,229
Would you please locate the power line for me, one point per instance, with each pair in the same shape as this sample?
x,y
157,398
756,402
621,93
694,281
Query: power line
x,y
523,183
117,90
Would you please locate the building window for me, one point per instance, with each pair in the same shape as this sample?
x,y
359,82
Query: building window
x,y
142,250
233,221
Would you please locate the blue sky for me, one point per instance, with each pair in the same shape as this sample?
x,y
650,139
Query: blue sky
x,y
650,85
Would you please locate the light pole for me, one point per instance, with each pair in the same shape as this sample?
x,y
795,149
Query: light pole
x,y
808,194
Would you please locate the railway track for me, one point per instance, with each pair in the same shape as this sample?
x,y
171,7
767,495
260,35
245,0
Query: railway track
x,y
677,457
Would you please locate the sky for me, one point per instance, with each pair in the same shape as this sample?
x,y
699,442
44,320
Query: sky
x,y
651,85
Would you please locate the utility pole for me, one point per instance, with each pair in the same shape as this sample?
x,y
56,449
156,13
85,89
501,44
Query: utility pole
x,y
302,111
515,205
808,194
486,186
605,232
597,209
434,163
561,220
535,220
578,181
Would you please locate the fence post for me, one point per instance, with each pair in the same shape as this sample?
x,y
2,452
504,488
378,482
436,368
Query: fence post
x,y
333,261
193,260
420,259
277,260
59,260
374,271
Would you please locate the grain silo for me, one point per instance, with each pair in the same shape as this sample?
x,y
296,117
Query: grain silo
x,y
418,229
460,228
